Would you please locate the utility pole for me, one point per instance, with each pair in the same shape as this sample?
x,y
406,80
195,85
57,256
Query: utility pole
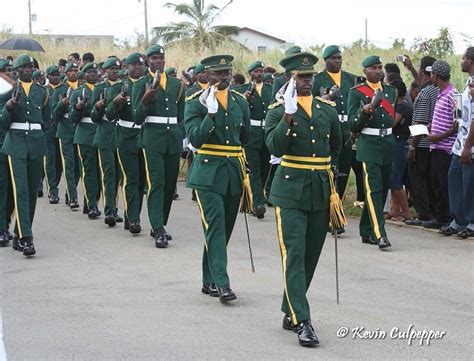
x,y
29,16
146,24
366,41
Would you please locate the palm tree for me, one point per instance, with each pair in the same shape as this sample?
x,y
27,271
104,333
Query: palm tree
x,y
198,29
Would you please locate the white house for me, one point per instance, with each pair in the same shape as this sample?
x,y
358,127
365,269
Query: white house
x,y
255,40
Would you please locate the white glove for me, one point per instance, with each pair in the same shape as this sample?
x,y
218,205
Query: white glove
x,y
291,104
211,101
203,97
274,160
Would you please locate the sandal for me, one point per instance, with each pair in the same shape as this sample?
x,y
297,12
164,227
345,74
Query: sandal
x,y
466,233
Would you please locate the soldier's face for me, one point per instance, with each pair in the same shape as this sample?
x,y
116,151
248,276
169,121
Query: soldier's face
x,y
40,80
54,78
25,72
334,63
91,76
304,84
72,74
113,72
257,75
202,77
8,71
156,62
135,70
374,73
220,77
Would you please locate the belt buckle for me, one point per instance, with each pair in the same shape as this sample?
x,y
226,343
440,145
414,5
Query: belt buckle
x,y
383,132
29,126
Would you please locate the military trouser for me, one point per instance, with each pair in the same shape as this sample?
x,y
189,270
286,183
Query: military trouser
x,y
258,161
26,177
344,167
71,166
89,174
110,178
376,185
52,165
162,174
268,182
6,194
301,235
218,215
132,165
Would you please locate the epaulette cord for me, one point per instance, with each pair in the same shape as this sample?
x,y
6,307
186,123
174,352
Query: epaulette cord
x,y
274,105
331,103
194,95
236,92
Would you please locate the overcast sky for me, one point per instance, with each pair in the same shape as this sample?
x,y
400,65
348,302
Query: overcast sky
x,y
303,22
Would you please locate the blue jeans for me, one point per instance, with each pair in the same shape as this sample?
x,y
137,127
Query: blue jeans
x,y
461,193
398,166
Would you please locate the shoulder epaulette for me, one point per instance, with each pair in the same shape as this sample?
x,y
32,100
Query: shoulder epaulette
x,y
274,105
236,92
331,103
194,95
357,86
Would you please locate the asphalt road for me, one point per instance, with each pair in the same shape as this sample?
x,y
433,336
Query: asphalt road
x,y
99,293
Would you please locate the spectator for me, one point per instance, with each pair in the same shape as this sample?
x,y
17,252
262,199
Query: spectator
x,y
87,58
389,77
419,157
442,137
414,90
238,79
74,58
461,171
391,68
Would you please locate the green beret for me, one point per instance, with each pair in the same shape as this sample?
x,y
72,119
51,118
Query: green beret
x,y
303,63
111,62
52,69
198,69
89,66
23,59
268,76
371,60
218,62
170,70
37,74
154,49
135,58
4,63
255,65
331,50
295,49
70,65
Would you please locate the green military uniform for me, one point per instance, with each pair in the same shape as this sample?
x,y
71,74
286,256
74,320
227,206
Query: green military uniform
x,y
256,151
25,146
347,81
301,188
65,134
105,140
161,140
6,191
281,79
83,138
52,161
375,149
197,85
216,172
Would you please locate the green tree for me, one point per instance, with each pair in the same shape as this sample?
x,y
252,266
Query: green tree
x,y
198,29
440,46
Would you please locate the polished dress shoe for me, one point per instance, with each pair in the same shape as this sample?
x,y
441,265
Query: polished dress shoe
x,y
9,235
85,210
28,246
167,235
17,246
110,221
306,335
414,222
135,228
369,240
175,196
433,224
287,323
94,213
40,193
210,289
4,239
73,204
339,231
226,294
118,219
259,211
126,224
53,199
383,242
193,196
160,238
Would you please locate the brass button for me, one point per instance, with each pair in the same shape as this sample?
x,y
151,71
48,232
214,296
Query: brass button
x,y
294,134
311,127
313,141
206,160
314,155
168,128
226,127
227,142
327,135
287,176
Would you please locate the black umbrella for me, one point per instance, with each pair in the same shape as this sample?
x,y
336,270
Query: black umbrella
x,y
22,44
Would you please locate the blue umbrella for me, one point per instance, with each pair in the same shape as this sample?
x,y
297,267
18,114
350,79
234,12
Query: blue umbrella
x,y
22,44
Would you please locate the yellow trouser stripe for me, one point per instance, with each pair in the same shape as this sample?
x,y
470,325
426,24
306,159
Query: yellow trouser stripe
x,y
306,166
15,196
370,203
102,175
63,161
283,261
148,180
124,182
222,147
83,174
307,159
46,174
203,218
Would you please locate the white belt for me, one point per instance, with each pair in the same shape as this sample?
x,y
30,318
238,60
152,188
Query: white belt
x,y
127,124
25,126
161,120
257,123
87,120
376,131
66,115
343,118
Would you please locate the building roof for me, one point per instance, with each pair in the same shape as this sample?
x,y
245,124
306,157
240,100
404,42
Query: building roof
x,y
263,34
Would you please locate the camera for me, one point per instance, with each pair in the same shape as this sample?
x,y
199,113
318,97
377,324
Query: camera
x,y
401,58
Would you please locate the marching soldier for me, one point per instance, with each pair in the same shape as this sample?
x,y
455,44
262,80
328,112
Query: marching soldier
x,y
129,155
105,140
331,76
80,108
305,132
65,133
371,113
280,80
52,162
217,123
158,104
27,113
258,95
201,82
